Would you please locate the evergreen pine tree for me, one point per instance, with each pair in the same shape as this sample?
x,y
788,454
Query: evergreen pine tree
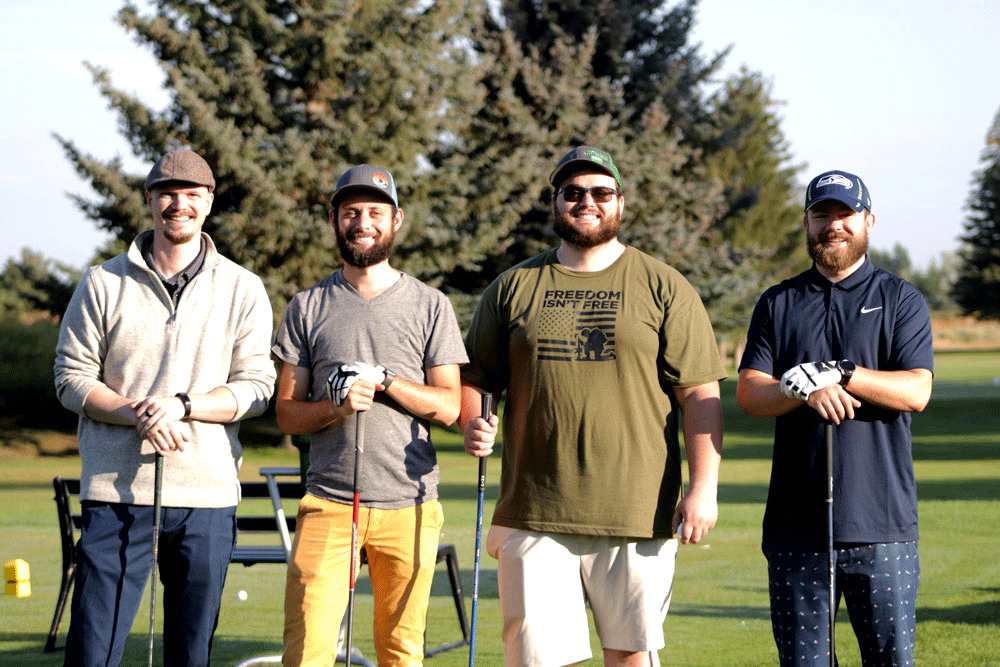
x,y
280,97
621,76
977,288
763,201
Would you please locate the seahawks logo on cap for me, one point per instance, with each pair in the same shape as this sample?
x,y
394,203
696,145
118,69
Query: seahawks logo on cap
x,y
380,180
595,156
835,179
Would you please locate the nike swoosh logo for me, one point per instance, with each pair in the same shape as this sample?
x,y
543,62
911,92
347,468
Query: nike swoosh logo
x,y
869,310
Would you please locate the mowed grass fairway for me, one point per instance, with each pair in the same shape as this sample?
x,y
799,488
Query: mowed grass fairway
x,y
719,614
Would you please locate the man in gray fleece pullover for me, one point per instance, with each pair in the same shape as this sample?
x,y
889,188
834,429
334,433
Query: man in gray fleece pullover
x,y
163,349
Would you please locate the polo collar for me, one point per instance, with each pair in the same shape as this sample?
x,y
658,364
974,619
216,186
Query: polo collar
x,y
820,282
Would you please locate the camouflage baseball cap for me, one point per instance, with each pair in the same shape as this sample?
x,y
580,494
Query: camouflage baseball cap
x,y
585,156
181,165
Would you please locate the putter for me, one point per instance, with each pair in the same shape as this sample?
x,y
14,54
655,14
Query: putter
x,y
487,410
828,428
359,448
157,494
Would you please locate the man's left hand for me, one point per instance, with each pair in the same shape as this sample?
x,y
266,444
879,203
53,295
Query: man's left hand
x,y
802,380
159,419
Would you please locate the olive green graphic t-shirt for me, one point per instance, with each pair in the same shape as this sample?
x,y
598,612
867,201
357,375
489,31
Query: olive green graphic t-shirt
x,y
589,361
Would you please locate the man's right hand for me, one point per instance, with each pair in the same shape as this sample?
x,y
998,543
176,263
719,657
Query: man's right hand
x,y
480,436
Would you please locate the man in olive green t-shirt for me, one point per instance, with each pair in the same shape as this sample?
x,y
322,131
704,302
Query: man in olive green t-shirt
x,y
597,346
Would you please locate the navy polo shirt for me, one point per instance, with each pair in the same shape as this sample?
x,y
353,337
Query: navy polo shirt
x,y
880,322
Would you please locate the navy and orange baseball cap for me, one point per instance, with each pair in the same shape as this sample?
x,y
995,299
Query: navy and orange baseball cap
x,y
841,186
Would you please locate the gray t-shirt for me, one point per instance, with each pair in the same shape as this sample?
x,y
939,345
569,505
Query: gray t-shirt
x,y
408,328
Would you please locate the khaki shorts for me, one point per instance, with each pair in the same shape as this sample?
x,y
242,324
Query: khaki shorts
x,y
546,579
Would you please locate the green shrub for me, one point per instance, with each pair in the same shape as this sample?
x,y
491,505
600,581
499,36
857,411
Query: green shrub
x,y
27,381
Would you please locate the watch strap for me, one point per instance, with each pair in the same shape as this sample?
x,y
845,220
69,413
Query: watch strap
x,y
186,400
846,369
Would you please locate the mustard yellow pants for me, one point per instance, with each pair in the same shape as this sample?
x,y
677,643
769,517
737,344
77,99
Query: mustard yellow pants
x,y
401,546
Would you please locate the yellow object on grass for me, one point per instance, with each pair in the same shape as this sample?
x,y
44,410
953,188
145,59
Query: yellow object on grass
x,y
18,578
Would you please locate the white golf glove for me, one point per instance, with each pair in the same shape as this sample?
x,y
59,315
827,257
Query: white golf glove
x,y
802,380
340,381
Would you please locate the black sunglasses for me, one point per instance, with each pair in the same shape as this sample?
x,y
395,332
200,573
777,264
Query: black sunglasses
x,y
574,193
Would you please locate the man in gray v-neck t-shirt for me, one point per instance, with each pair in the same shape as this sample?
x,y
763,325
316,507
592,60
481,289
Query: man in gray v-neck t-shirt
x,y
370,339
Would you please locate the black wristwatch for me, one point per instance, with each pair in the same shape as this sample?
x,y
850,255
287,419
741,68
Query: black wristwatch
x,y
389,377
846,369
186,402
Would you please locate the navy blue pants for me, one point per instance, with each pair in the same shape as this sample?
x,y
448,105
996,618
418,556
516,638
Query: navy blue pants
x,y
114,561
879,583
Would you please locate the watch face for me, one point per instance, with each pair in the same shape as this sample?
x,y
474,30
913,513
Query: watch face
x,y
846,371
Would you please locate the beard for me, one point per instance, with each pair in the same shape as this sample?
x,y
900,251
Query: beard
x,y
837,259
606,231
379,250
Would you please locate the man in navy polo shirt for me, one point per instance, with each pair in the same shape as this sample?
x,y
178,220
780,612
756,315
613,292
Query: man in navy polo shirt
x,y
848,343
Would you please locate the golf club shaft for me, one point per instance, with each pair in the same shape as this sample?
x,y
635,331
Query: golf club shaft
x,y
828,432
487,410
157,497
359,448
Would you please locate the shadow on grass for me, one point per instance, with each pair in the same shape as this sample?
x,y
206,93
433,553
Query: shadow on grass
x,y
957,489
26,485
979,613
742,493
720,611
225,649
452,491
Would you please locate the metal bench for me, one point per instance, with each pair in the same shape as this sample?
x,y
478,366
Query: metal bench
x,y
67,493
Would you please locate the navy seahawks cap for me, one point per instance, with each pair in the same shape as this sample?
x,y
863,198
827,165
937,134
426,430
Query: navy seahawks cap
x,y
842,186
585,156
366,177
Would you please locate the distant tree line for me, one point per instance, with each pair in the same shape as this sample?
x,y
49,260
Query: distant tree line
x,y
935,282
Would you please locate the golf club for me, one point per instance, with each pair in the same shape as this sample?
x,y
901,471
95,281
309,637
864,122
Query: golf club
x,y
487,410
359,448
828,427
157,496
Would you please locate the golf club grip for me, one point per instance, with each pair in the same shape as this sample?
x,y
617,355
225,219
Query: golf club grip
x,y
157,500
487,411
359,448
828,432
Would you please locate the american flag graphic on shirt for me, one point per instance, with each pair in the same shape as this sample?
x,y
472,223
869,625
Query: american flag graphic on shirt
x,y
578,325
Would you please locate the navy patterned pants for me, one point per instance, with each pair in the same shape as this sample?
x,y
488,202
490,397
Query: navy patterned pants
x,y
879,584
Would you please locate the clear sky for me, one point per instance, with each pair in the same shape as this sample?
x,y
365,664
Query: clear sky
x,y
900,93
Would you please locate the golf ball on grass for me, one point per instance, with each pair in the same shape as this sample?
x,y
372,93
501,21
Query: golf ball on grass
x,y
242,595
